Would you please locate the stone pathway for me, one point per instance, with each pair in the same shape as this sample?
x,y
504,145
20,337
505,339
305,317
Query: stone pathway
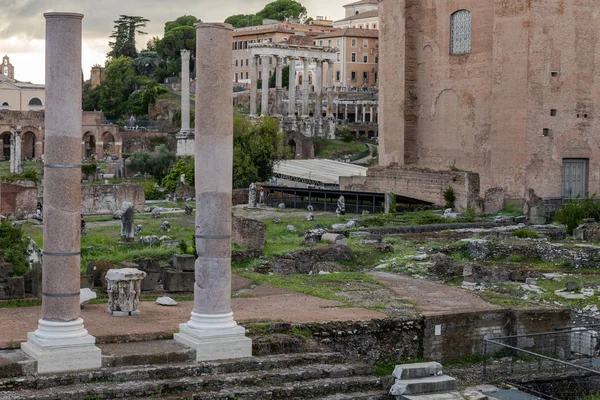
x,y
434,298
269,305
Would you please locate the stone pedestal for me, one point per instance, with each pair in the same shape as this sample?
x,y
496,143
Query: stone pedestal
x,y
212,331
61,342
124,287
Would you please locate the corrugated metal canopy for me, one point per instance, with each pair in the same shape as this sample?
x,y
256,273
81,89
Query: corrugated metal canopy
x,y
325,172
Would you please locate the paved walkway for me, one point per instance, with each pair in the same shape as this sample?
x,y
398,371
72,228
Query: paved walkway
x,y
270,305
434,298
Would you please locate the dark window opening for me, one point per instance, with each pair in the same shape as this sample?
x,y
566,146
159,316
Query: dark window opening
x,y
546,132
554,74
553,113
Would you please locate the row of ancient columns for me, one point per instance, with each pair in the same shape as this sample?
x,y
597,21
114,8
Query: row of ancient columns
x,y
61,343
357,114
278,106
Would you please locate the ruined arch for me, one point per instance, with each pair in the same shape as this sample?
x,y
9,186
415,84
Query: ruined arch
x,y
88,145
28,145
293,147
108,140
5,138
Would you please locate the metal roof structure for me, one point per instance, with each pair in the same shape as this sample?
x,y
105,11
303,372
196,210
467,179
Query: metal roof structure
x,y
316,172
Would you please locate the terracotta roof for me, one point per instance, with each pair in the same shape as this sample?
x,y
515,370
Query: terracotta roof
x,y
350,32
262,31
358,3
366,14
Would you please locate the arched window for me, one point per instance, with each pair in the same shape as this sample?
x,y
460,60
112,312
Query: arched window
x,y
35,102
460,37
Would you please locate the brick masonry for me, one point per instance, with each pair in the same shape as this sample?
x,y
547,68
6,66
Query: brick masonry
x,y
417,183
486,111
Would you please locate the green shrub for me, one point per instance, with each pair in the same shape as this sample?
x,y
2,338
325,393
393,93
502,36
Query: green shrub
x,y
184,166
526,234
15,247
89,169
575,211
152,191
470,214
450,197
375,152
28,175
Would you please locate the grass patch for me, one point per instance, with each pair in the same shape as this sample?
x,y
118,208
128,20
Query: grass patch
x,y
322,286
387,368
331,148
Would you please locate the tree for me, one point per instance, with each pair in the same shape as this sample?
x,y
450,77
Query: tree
x,y
186,167
155,164
140,100
112,95
256,149
285,72
15,247
126,27
280,10
146,63
179,35
244,20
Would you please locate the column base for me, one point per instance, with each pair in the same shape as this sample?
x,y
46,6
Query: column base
x,y
214,337
62,347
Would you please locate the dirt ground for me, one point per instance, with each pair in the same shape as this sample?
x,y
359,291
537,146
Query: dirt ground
x,y
433,298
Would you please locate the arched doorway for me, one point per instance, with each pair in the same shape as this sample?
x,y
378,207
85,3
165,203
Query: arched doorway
x,y
5,145
108,141
28,142
300,78
89,145
293,148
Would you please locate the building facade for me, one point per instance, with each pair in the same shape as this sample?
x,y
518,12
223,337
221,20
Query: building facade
x,y
268,33
361,14
356,64
504,88
16,95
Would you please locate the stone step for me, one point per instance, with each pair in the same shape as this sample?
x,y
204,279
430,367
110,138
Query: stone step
x,y
15,363
376,395
432,384
145,353
217,385
435,396
172,371
418,370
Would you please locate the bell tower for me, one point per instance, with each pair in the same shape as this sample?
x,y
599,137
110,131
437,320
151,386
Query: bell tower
x,y
7,68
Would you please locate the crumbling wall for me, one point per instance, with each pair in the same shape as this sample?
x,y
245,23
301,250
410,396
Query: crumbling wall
x,y
418,183
18,200
106,199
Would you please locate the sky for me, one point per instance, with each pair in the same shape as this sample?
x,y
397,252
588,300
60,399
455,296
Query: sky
x,y
22,26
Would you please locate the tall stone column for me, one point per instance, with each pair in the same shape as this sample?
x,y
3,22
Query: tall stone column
x,y
61,342
185,137
319,89
356,119
185,91
265,86
346,111
13,154
371,115
330,89
212,331
305,92
278,85
292,88
364,113
253,86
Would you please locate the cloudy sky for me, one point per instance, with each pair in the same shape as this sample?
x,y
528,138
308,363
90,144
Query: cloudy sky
x,y
22,25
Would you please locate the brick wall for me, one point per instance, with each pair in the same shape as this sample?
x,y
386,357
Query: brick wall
x,y
18,200
419,183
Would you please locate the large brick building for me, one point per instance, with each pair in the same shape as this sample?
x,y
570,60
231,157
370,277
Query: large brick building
x,y
505,88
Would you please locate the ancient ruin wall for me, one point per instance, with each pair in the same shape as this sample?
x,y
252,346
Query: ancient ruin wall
x,y
391,81
418,183
106,199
